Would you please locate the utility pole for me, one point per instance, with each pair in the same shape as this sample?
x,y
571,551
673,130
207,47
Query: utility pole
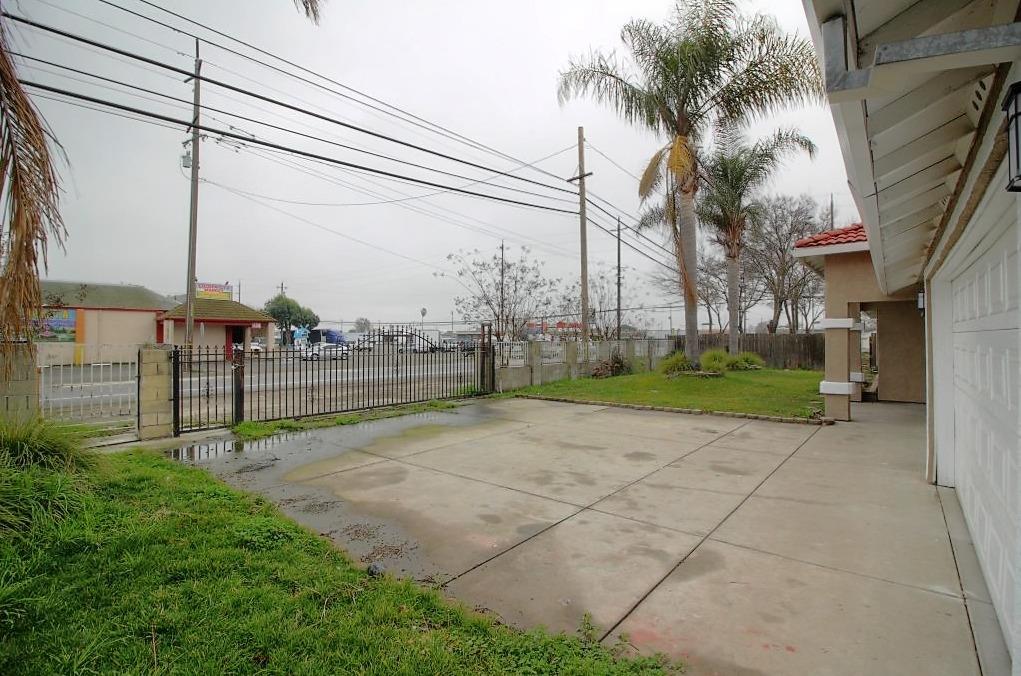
x,y
239,290
618,277
193,222
499,323
583,220
282,288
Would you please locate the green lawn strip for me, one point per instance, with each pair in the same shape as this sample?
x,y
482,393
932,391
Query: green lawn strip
x,y
250,430
762,392
165,569
84,430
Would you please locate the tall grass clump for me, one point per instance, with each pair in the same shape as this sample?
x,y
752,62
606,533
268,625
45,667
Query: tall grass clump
x,y
746,361
38,443
714,361
677,362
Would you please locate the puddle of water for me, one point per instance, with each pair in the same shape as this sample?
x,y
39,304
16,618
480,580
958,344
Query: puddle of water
x,y
410,425
198,453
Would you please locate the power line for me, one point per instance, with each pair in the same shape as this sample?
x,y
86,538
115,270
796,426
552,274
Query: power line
x,y
415,119
472,181
611,161
268,99
277,146
331,231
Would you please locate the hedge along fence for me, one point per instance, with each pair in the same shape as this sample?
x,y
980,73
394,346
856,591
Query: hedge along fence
x,y
780,350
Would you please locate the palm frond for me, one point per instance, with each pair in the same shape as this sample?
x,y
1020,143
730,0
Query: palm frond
x,y
31,191
771,71
652,177
607,81
681,160
311,8
651,218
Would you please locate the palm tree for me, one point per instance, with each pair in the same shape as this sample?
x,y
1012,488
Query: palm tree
x,y
707,68
30,193
732,177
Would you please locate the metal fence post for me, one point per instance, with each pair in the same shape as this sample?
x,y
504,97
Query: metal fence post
x,y
175,360
238,368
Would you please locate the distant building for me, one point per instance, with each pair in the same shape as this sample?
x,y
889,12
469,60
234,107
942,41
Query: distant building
x,y
78,317
218,323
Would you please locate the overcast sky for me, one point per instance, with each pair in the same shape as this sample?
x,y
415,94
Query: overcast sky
x,y
486,70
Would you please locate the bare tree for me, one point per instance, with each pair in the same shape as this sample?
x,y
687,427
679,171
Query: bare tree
x,y
511,292
362,325
603,302
783,221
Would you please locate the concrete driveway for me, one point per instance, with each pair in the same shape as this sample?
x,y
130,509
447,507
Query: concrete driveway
x,y
741,547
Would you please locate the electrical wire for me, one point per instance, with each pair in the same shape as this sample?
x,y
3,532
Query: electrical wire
x,y
268,99
277,146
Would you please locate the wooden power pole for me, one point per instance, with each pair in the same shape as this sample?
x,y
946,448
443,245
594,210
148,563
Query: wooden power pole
x,y
193,220
618,277
583,220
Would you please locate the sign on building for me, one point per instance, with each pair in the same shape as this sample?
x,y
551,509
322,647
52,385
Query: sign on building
x,y
215,291
58,326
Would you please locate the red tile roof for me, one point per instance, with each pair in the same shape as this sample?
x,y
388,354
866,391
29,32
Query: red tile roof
x,y
848,235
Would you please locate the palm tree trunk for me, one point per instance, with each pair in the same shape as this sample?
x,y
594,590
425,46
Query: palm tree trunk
x,y
689,271
733,301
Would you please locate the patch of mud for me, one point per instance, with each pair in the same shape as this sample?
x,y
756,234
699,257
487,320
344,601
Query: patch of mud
x,y
360,532
388,551
320,506
257,466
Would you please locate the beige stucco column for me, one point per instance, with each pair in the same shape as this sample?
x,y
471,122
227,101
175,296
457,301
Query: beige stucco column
x,y
248,339
854,351
836,386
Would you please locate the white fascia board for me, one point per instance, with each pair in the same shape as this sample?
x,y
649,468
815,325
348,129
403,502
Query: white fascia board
x,y
857,377
849,247
832,387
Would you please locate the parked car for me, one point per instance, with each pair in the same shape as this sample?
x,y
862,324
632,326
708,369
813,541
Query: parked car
x,y
324,351
363,345
254,348
468,347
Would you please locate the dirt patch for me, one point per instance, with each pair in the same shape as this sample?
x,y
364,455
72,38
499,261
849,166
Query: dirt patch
x,y
387,551
360,532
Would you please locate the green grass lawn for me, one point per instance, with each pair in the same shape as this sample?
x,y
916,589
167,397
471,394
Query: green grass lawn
x,y
763,392
154,567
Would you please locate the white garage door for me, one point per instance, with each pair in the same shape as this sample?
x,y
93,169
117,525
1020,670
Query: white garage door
x,y
987,457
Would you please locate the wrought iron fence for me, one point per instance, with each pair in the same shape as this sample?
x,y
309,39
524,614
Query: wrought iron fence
x,y
216,387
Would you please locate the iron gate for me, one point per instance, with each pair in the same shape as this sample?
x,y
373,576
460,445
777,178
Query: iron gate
x,y
92,386
219,387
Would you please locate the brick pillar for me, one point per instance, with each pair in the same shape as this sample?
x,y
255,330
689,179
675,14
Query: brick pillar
x,y
19,389
155,394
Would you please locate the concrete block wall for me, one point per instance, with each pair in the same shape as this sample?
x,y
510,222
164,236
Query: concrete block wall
x,y
19,390
155,394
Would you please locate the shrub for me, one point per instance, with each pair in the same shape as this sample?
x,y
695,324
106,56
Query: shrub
x,y
616,365
38,443
714,361
746,361
677,362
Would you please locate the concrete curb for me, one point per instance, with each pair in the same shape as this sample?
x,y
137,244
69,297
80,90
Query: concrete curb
x,y
689,411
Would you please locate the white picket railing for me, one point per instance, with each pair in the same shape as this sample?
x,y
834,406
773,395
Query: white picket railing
x,y
88,383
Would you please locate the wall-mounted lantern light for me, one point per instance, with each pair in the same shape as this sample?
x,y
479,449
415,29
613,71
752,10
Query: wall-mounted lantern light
x,y
1012,106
